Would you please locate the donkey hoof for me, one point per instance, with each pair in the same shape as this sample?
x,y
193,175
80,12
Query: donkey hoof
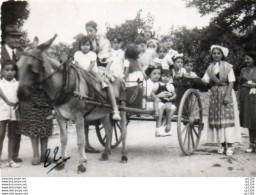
x,y
124,159
81,169
60,166
104,157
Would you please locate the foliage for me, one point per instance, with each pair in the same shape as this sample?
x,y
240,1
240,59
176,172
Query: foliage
x,y
15,12
61,51
128,31
230,15
196,43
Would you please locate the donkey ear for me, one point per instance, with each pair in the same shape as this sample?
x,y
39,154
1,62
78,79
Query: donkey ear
x,y
35,42
47,44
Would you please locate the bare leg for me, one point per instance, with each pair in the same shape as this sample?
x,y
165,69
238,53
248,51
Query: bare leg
x,y
112,99
156,106
2,135
169,113
35,147
160,117
43,143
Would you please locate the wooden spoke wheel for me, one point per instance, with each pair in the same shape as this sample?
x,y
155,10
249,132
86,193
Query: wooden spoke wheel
x,y
116,134
190,121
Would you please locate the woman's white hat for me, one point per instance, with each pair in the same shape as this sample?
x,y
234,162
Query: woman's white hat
x,y
224,50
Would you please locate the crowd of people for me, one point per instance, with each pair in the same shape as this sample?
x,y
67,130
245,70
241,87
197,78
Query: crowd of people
x,y
151,61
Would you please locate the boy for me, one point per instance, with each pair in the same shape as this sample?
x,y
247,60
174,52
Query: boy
x,y
9,87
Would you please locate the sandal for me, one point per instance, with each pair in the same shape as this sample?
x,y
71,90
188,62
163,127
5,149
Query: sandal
x,y
12,164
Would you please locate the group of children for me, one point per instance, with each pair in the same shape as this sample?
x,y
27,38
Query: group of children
x,y
157,65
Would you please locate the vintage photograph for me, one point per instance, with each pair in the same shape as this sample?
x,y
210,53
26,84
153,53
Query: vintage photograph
x,y
128,88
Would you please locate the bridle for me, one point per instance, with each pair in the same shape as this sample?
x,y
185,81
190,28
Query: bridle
x,y
37,57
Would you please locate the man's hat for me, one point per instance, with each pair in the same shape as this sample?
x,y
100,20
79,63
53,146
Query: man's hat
x,y
12,30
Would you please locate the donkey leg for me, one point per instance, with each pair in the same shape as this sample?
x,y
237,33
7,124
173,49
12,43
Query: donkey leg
x,y
81,144
123,121
88,147
108,130
63,139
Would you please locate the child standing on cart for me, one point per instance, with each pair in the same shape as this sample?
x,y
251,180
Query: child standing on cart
x,y
164,94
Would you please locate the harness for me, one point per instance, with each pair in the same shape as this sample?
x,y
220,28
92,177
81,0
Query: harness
x,y
66,90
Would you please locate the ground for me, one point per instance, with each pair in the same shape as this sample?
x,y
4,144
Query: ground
x,y
148,157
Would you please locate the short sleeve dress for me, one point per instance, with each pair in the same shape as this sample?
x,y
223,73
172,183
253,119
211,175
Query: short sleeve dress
x,y
247,99
33,113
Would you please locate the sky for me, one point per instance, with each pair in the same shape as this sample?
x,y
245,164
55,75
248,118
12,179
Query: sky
x,y
67,18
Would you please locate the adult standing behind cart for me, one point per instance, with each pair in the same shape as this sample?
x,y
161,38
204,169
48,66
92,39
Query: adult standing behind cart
x,y
247,98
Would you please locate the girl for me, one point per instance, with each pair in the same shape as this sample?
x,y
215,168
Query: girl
x,y
247,98
147,32
8,94
87,59
102,47
153,72
118,59
222,118
162,51
163,94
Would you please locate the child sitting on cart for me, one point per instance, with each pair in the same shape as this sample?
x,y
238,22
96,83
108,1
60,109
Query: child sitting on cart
x,y
189,66
164,94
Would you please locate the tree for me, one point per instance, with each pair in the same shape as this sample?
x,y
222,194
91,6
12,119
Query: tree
x,y
15,12
231,15
196,43
128,31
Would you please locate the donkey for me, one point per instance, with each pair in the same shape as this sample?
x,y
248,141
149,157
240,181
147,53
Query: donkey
x,y
62,83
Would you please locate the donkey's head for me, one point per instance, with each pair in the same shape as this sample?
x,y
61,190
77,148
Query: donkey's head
x,y
32,67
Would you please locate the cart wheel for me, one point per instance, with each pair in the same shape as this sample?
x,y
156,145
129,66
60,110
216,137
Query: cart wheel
x,y
190,121
116,134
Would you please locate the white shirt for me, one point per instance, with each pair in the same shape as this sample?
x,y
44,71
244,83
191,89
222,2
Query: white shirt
x,y
191,74
149,85
170,55
146,58
10,89
85,60
118,63
104,48
216,67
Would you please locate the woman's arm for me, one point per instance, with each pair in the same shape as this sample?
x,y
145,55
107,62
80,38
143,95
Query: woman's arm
x,y
228,93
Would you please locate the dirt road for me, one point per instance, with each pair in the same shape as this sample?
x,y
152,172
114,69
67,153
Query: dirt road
x,y
148,156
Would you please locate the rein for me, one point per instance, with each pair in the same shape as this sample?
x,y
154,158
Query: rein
x,y
42,61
